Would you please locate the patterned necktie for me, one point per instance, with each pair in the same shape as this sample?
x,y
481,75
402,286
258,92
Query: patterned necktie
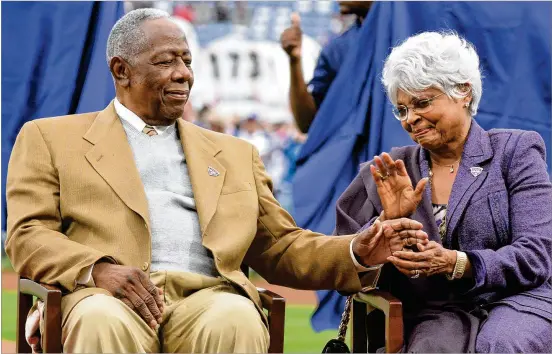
x,y
149,130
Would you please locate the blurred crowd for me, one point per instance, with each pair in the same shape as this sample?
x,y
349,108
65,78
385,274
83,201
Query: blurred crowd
x,y
278,142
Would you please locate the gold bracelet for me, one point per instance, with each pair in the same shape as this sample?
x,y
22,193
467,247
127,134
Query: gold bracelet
x,y
459,267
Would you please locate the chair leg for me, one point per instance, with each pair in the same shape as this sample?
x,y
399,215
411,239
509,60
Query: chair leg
x,y
276,324
24,304
51,339
359,338
394,331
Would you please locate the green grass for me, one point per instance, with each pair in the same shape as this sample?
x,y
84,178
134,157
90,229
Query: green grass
x,y
299,336
9,314
6,265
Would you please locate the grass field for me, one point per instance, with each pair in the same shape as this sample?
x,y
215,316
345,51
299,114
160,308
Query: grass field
x,y
6,265
9,316
299,336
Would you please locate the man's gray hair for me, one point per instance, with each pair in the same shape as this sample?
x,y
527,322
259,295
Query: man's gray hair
x,y
442,60
126,39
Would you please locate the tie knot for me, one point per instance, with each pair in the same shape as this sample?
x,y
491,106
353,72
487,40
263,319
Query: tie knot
x,y
149,130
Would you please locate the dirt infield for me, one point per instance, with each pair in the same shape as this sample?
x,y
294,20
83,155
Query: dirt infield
x,y
8,347
9,281
292,296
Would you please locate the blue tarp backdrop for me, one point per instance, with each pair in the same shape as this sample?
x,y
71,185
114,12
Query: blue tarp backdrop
x,y
355,121
53,63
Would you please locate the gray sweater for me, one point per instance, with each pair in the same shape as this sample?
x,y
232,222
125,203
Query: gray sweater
x,y
175,233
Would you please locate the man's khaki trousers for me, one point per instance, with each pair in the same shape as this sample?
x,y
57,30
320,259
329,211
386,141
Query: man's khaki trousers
x,y
202,315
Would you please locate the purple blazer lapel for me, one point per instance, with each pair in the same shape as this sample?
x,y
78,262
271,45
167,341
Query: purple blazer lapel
x,y
476,151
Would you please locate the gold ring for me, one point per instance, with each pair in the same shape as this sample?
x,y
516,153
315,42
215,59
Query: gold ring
x,y
382,177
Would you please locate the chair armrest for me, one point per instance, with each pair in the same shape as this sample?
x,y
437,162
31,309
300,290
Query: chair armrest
x,y
38,290
270,299
381,300
51,338
392,308
276,306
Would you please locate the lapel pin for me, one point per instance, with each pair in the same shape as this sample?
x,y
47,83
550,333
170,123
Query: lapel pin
x,y
212,172
476,171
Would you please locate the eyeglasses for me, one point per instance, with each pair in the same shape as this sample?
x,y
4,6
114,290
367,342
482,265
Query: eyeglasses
x,y
418,106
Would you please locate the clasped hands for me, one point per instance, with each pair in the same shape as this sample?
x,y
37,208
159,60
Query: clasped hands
x,y
394,237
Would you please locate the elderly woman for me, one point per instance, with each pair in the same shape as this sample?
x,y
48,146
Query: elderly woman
x,y
483,283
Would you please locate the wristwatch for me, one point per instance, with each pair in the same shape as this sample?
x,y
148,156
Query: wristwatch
x,y
459,267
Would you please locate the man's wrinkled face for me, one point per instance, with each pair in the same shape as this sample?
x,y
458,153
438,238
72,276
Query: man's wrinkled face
x,y
161,77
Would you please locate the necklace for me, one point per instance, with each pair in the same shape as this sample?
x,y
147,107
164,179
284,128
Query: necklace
x,y
443,225
451,166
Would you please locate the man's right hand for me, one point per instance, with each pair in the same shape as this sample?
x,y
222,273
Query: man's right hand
x,y
374,245
291,38
133,287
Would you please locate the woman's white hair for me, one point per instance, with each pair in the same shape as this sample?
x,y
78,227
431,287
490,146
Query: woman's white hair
x,y
442,60
126,39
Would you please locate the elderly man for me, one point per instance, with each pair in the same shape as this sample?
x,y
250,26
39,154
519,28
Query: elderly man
x,y
144,219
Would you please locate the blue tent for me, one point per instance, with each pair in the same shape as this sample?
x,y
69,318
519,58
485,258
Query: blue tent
x,y
355,121
53,63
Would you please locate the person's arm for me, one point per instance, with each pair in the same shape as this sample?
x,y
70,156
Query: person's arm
x,y
303,105
301,101
527,261
36,245
287,255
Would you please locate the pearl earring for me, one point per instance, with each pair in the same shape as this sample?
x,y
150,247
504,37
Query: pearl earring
x,y
466,105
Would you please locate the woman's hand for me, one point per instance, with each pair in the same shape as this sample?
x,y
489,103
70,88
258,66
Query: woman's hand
x,y
398,198
374,245
432,259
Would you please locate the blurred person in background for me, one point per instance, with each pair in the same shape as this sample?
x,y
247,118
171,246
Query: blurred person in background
x,y
185,11
305,99
222,13
277,164
217,123
252,130
189,114
202,116
290,146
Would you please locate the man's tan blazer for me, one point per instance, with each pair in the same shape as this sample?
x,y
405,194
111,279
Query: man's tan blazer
x,y
74,196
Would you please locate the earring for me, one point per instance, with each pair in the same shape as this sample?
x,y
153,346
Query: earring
x,y
466,105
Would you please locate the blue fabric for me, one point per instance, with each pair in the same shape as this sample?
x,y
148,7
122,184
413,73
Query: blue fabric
x,y
355,121
330,60
53,63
